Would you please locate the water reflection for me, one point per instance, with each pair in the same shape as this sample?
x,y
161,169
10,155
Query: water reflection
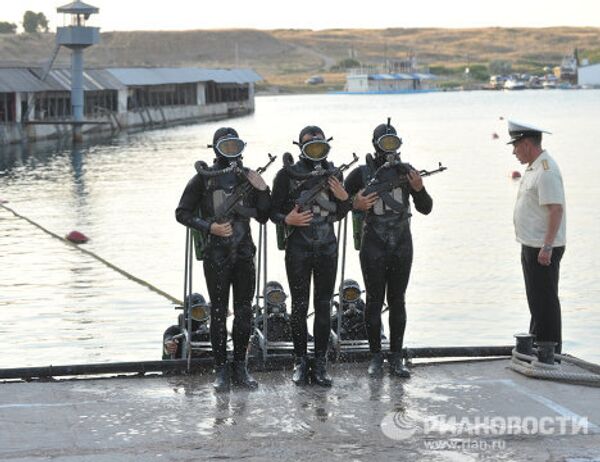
x,y
376,391
122,193
15,157
41,154
230,408
78,164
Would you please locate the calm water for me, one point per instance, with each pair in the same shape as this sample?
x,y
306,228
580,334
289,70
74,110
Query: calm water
x,y
60,306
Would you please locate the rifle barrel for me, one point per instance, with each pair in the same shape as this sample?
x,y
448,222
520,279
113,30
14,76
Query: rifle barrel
x,y
388,185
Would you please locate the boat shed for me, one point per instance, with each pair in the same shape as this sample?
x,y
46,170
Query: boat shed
x,y
357,82
52,96
101,91
175,86
120,97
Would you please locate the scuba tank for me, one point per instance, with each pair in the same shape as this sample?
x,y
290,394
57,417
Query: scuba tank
x,y
282,232
358,222
200,238
358,216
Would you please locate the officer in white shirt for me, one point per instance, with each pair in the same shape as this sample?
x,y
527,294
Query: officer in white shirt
x,y
539,219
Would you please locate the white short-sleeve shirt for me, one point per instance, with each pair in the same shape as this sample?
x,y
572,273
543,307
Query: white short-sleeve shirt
x,y
541,185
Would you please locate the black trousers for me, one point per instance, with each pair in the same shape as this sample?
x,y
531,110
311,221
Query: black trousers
x,y
386,268
223,271
301,267
541,285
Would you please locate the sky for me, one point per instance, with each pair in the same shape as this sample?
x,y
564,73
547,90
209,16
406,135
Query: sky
x,y
317,14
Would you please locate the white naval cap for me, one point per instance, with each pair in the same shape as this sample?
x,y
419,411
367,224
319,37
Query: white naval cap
x,y
518,130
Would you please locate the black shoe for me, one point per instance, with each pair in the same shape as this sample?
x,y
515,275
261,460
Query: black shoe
x,y
397,368
319,373
222,378
376,365
241,376
300,376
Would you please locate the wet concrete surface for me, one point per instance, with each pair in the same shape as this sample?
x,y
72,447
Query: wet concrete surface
x,y
182,418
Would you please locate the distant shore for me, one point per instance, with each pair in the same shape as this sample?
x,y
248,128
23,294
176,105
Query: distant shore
x,y
286,59
283,91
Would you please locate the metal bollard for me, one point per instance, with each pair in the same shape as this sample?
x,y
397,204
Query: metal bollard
x,y
525,343
546,352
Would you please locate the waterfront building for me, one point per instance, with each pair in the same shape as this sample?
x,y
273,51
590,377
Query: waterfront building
x,y
367,81
589,76
119,98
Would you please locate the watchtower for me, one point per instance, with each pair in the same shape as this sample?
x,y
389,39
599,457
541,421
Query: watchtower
x,y
77,36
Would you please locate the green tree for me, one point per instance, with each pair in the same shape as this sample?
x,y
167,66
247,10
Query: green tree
x,y
43,22
592,55
479,72
34,22
7,27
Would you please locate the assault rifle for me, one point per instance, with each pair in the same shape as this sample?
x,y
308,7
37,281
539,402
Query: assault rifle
x,y
310,196
386,186
232,203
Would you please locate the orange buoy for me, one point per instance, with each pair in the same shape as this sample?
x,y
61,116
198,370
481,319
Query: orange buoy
x,y
495,136
515,175
76,237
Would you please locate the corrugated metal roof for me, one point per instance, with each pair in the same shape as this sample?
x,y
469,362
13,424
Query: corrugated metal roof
x,y
28,79
169,75
23,79
422,76
391,77
93,79
415,76
77,7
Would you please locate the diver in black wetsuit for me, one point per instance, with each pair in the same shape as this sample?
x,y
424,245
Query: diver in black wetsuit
x,y
311,247
274,313
352,326
386,249
229,251
172,340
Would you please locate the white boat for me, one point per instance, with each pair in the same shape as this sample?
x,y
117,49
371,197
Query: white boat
x,y
512,84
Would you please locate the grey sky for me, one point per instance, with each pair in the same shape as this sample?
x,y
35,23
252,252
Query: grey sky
x,y
313,14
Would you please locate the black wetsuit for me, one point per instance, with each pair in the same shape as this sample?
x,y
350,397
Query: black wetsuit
x,y
172,331
227,261
278,327
353,321
386,251
201,333
310,251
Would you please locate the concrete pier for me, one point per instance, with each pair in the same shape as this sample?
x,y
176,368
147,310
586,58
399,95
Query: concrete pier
x,y
181,418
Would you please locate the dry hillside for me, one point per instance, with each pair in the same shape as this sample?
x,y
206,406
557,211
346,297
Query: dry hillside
x,y
447,46
288,57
